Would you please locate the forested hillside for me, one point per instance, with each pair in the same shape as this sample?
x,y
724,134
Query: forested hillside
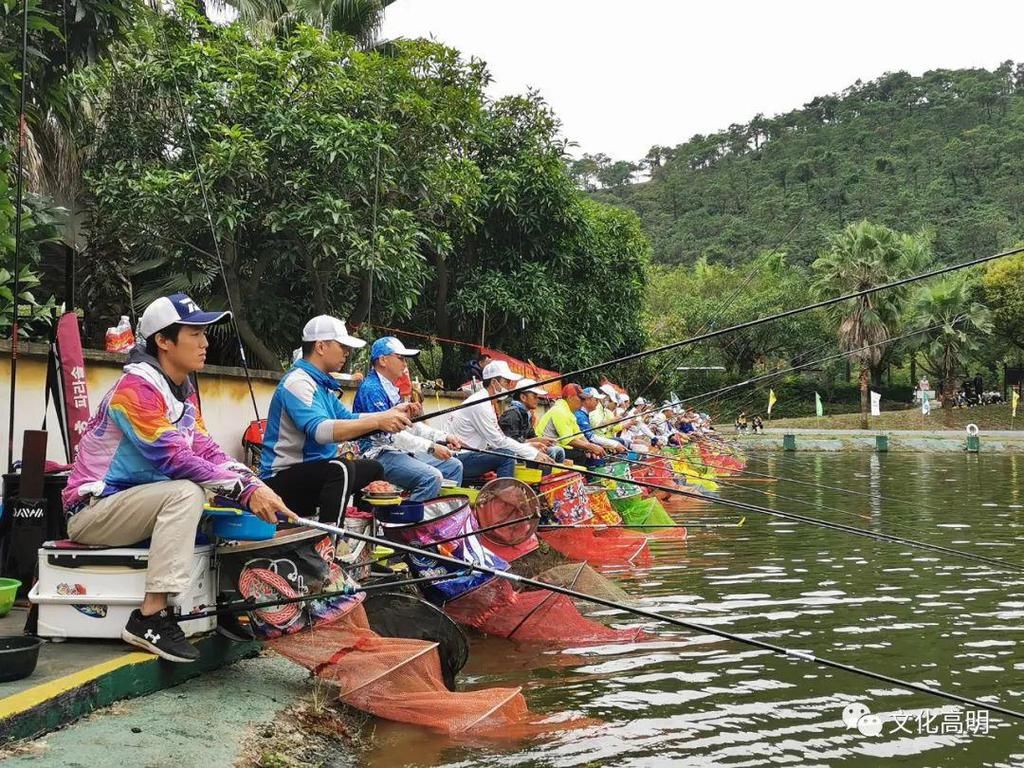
x,y
944,151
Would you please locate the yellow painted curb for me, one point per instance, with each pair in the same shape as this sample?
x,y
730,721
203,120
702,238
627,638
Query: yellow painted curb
x,y
22,702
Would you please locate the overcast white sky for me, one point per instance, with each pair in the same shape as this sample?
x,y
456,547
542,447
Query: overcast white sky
x,y
623,76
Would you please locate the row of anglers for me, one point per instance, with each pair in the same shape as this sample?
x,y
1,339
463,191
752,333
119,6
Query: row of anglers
x,y
146,464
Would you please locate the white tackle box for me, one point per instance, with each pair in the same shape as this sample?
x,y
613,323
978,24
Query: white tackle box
x,y
89,593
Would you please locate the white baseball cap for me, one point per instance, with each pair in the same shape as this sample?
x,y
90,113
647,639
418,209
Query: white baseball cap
x,y
327,328
640,401
498,369
531,387
389,345
178,308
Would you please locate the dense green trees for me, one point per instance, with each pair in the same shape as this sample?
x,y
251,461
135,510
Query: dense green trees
x,y
942,151
380,187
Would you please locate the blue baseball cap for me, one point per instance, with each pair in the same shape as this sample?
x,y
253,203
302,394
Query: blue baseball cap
x,y
594,393
179,308
389,345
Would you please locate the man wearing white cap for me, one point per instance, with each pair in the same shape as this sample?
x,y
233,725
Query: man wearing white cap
x,y
146,464
590,400
417,458
306,422
476,425
519,420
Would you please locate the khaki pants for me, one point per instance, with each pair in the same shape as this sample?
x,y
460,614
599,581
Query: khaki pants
x,y
167,512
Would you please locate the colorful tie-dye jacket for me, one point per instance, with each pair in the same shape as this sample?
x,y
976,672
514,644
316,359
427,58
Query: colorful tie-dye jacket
x,y
142,433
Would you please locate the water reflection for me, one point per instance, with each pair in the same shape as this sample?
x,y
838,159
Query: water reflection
x,y
682,699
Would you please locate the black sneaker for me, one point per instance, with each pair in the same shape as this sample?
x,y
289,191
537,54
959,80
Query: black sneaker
x,y
159,634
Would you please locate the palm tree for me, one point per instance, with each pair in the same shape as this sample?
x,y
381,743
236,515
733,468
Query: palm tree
x,y
359,19
864,256
957,322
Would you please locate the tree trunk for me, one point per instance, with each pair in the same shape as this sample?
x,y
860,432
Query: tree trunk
x,y
316,284
265,356
361,311
913,371
865,396
451,363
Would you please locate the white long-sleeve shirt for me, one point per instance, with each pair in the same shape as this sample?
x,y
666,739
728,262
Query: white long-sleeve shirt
x,y
477,427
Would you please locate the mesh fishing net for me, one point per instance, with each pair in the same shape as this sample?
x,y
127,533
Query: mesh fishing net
x,y
397,614
582,578
531,616
398,679
648,511
599,546
505,502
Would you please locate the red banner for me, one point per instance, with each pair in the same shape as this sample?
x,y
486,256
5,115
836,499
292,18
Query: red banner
x,y
530,370
72,376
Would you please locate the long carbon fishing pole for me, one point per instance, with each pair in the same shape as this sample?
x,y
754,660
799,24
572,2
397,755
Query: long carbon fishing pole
x,y
770,494
756,379
878,536
18,206
200,179
733,328
670,620
248,606
848,491
710,322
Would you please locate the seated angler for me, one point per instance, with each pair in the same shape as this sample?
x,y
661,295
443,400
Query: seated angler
x,y
519,420
306,422
476,426
146,464
416,458
559,423
590,399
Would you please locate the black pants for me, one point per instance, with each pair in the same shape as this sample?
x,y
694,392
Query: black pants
x,y
579,458
323,487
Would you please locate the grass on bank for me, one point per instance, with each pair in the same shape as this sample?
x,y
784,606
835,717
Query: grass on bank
x,y
985,416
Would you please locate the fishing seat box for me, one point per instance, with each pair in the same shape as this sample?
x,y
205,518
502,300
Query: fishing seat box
x,y
89,593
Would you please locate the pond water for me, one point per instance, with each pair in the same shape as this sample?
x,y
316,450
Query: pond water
x,y
684,699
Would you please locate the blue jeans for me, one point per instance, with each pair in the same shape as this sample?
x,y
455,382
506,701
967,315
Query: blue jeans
x,y
420,473
475,464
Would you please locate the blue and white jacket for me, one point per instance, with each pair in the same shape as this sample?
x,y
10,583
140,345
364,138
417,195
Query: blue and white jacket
x,y
300,425
377,394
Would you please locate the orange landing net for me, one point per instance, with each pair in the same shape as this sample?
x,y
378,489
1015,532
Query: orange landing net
x,y
400,679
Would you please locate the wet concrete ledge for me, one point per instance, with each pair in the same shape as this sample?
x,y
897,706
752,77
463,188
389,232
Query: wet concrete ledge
x,y
902,440
79,678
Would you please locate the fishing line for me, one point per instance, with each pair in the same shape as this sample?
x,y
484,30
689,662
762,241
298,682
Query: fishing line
x,y
789,653
760,378
732,329
206,207
732,297
879,536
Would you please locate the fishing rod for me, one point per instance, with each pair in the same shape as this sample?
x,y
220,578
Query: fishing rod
x,y
878,536
556,526
760,378
201,180
733,328
248,606
754,268
18,211
789,653
848,491
754,490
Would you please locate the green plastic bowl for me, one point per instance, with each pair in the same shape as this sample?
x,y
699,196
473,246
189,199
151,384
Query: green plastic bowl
x,y
8,589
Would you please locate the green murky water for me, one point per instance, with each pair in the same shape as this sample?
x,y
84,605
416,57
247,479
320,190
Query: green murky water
x,y
683,699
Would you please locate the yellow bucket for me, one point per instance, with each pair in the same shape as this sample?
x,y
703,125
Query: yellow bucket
x,y
528,475
471,493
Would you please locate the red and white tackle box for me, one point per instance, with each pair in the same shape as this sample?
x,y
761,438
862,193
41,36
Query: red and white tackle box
x,y
89,593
